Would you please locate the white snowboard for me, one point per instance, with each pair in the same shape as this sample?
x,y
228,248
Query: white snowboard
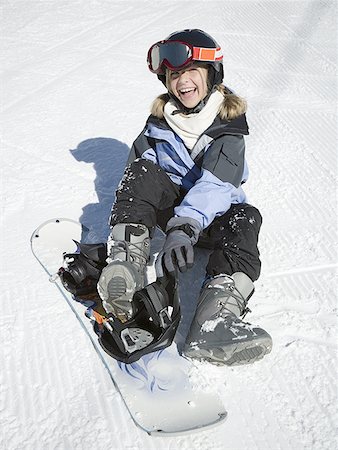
x,y
157,389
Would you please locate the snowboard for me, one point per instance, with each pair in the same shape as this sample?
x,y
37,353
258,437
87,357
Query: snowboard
x,y
159,390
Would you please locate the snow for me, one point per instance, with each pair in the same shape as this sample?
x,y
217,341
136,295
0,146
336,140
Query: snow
x,y
210,325
75,94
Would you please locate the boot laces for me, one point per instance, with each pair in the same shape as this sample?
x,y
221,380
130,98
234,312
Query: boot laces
x,y
229,287
135,253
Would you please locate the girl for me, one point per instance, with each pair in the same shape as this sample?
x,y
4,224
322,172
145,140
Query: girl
x,y
185,174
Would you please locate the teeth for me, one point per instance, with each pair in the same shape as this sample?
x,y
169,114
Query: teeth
x,y
184,91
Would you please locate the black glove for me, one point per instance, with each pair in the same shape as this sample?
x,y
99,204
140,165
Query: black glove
x,y
177,252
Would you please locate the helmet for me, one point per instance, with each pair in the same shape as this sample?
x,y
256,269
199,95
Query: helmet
x,y
180,48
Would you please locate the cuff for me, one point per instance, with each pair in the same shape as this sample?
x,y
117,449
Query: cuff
x,y
190,226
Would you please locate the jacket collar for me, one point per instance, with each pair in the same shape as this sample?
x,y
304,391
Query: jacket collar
x,y
217,128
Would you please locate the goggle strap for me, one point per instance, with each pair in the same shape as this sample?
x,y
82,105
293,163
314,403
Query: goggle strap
x,y
207,54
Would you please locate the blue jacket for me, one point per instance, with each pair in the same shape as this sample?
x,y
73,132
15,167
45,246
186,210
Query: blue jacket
x,y
211,173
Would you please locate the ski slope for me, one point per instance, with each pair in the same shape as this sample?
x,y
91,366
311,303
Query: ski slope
x,y
75,93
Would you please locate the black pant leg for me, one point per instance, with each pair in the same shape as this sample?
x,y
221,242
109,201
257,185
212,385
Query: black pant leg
x,y
234,238
145,190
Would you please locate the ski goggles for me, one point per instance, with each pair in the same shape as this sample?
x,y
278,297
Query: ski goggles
x,y
176,55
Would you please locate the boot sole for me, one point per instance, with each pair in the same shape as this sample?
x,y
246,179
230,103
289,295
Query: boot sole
x,y
234,354
117,287
119,290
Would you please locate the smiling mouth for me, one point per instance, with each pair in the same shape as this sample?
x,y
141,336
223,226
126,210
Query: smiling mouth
x,y
186,91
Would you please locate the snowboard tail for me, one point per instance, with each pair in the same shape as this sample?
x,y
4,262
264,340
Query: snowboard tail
x,y
157,389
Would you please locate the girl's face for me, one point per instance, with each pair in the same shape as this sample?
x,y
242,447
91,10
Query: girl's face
x,y
189,85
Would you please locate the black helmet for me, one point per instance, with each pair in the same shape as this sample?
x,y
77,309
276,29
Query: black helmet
x,y
173,55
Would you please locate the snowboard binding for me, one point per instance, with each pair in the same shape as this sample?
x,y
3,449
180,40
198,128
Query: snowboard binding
x,y
152,328
81,270
156,306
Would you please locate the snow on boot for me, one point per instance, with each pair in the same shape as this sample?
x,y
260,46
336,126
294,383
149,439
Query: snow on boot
x,y
217,334
128,253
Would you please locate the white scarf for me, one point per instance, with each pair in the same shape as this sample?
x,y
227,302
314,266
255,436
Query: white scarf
x,y
190,127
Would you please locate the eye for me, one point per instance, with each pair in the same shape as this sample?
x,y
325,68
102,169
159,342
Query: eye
x,y
174,75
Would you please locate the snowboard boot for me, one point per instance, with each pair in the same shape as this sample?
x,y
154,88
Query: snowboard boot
x,y
217,334
128,253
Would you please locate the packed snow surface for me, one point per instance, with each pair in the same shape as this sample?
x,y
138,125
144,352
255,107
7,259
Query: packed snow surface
x,y
75,93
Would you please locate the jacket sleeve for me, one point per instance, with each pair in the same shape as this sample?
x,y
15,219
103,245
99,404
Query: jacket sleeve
x,y
223,171
141,144
210,197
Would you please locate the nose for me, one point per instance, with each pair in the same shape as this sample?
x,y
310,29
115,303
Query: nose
x,y
184,75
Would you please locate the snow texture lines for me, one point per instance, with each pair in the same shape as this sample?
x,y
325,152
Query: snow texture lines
x,y
71,56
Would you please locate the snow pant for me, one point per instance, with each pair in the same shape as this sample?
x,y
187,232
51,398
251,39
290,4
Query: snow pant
x,y
147,195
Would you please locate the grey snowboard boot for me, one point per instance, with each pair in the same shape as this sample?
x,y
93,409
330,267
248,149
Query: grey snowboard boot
x,y
217,334
128,253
